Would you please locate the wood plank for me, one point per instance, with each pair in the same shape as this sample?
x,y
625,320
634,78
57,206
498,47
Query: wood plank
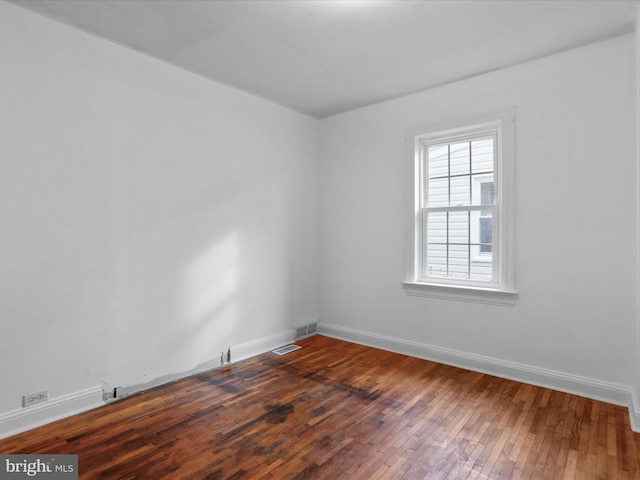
x,y
343,411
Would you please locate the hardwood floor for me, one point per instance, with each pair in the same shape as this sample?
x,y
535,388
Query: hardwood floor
x,y
336,410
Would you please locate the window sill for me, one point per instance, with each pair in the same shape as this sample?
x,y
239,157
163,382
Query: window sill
x,y
461,293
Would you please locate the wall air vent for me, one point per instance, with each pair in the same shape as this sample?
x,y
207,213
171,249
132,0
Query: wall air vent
x,y
305,330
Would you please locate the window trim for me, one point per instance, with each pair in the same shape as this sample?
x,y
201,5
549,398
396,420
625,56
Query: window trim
x,y
504,290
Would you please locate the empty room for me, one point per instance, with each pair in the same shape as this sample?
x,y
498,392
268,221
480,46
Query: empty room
x,y
435,205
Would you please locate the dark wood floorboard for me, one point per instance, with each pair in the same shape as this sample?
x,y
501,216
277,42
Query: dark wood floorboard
x,y
336,410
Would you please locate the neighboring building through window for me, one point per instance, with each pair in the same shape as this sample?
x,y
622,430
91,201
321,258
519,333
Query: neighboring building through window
x,y
463,206
486,223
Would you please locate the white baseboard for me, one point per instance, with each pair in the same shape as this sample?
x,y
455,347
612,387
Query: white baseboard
x,y
23,419
261,345
634,412
238,353
583,386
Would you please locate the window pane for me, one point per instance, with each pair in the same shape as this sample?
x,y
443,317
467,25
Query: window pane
x,y
483,189
482,155
436,225
486,193
436,248
436,265
459,157
438,161
460,190
459,261
438,192
486,234
459,227
486,198
481,271
475,227
481,232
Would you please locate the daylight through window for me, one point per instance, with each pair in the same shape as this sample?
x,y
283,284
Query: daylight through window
x,y
461,235
458,209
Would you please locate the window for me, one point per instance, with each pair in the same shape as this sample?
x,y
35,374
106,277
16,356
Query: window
x,y
462,210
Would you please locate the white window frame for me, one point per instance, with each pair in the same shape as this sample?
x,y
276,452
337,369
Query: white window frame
x,y
502,290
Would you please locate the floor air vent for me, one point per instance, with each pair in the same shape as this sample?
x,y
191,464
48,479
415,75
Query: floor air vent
x,y
305,330
287,349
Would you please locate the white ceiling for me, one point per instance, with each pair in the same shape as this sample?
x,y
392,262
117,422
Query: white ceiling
x,y
322,57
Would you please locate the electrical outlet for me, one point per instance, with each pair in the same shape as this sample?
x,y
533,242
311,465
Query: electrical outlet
x,y
36,397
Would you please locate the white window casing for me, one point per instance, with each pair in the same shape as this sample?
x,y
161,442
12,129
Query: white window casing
x,y
460,241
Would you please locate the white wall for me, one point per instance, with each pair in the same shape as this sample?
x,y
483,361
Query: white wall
x,y
150,218
575,141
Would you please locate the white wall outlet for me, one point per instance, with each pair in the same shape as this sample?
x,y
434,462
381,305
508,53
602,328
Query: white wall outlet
x,y
36,397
